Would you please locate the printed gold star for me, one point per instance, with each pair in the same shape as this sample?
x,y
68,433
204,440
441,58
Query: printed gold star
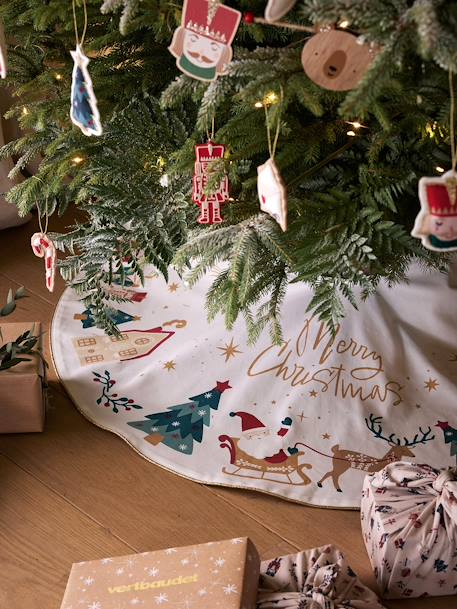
x,y
169,365
326,436
431,384
313,393
229,350
173,287
453,357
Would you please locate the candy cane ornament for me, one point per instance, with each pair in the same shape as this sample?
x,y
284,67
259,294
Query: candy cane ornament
x,y
43,247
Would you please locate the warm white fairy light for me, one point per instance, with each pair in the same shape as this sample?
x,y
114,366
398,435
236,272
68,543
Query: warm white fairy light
x,y
58,76
439,169
258,105
351,133
25,111
77,160
271,98
343,24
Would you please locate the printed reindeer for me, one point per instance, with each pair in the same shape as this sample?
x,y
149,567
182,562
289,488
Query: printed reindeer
x,y
350,459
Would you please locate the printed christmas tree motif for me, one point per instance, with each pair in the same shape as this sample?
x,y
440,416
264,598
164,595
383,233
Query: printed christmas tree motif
x,y
116,315
84,111
180,425
112,400
450,436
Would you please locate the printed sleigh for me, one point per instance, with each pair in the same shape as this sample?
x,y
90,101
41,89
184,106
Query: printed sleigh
x,y
409,525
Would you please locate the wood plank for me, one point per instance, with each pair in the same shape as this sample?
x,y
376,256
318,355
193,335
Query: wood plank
x,y
309,527
41,536
138,501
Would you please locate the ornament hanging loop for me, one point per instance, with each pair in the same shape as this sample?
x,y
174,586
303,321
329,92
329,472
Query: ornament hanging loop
x,y
452,121
273,144
79,41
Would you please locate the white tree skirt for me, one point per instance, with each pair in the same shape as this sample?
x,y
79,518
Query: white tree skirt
x,y
391,367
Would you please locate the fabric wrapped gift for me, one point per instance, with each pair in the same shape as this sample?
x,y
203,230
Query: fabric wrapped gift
x,y
409,523
313,579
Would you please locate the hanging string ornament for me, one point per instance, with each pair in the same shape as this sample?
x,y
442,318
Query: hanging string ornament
x,y
202,43
276,9
2,52
43,247
336,60
270,185
333,59
83,112
206,155
436,223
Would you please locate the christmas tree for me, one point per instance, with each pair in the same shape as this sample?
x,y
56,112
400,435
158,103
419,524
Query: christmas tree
x,y
350,161
180,425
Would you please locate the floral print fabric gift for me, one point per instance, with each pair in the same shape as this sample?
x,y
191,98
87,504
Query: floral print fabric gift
x,y
409,523
313,579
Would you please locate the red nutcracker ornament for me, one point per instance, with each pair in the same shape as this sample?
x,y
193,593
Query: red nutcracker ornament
x,y
210,204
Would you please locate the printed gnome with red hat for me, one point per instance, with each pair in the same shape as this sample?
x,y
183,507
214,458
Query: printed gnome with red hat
x,y
260,442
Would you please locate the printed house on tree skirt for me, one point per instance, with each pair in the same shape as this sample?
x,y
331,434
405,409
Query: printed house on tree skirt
x,y
131,344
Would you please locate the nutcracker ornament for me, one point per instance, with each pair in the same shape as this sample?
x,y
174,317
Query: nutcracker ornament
x,y
202,43
436,224
210,204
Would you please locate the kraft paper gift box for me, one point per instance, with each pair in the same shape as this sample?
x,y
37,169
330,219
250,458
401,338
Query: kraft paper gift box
x,y
409,525
22,400
220,575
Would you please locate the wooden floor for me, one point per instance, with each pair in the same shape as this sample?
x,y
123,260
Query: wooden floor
x,y
77,493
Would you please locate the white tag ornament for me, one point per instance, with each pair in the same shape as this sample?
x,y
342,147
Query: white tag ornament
x,y
436,224
43,247
84,111
276,9
272,192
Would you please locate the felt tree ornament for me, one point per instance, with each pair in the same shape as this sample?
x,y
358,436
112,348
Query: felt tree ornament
x,y
84,112
2,52
179,426
202,43
335,59
436,223
210,203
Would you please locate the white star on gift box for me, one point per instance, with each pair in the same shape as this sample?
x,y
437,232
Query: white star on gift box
x,y
230,589
185,561
95,605
119,571
153,572
89,581
202,592
220,562
161,598
170,550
